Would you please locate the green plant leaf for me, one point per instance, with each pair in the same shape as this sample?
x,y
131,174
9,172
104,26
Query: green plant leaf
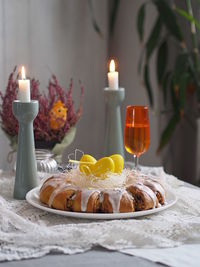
x,y
162,56
94,22
174,90
181,65
180,76
169,18
188,17
168,131
165,83
195,77
153,38
67,140
113,15
182,91
147,84
140,21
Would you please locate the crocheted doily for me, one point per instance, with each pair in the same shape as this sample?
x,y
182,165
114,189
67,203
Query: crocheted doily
x,y
27,232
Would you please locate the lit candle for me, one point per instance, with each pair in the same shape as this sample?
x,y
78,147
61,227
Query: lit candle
x,y
24,88
113,76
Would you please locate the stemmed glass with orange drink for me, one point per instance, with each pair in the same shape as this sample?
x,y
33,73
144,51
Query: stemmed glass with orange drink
x,y
136,132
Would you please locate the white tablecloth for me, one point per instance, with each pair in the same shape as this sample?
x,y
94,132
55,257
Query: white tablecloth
x,y
27,232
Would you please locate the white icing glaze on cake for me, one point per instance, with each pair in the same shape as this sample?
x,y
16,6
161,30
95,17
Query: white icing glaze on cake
x,y
85,195
53,182
115,198
155,186
58,190
148,191
101,198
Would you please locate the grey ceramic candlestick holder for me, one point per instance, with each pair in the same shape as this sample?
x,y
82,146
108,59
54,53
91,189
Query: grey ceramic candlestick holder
x,y
113,131
26,169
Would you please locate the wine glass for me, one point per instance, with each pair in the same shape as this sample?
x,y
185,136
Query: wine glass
x,y
136,131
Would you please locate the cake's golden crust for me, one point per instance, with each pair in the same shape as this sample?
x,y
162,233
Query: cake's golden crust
x,y
63,200
143,200
76,202
106,206
160,198
126,203
47,189
57,193
157,188
93,204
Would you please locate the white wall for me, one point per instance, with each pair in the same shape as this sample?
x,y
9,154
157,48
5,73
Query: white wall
x,y
57,37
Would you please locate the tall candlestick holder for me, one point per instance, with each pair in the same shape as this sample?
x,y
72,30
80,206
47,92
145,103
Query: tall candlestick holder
x,y
26,169
113,131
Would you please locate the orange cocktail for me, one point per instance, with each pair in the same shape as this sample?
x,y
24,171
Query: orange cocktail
x,y
136,132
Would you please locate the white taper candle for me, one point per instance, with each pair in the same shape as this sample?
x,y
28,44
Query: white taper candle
x,y
24,88
113,76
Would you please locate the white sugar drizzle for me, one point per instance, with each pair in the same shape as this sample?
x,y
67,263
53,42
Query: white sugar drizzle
x,y
115,198
85,196
148,191
131,177
101,198
134,176
156,187
59,189
54,182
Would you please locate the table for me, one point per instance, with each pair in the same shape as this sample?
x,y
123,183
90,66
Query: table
x,y
101,257
98,256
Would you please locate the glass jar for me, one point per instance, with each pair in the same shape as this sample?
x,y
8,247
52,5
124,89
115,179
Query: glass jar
x,y
45,161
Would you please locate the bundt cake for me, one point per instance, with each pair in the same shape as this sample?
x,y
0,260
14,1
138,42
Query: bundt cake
x,y
124,192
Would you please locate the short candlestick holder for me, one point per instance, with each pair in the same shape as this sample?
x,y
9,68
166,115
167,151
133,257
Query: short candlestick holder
x,y
26,169
113,131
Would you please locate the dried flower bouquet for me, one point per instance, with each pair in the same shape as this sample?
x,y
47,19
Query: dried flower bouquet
x,y
54,127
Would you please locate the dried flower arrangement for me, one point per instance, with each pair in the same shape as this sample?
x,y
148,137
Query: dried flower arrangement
x,y
56,118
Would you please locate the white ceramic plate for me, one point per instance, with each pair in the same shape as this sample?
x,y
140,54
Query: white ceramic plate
x,y
33,198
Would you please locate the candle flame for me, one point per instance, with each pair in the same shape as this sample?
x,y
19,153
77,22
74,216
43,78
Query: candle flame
x,y
23,73
112,65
